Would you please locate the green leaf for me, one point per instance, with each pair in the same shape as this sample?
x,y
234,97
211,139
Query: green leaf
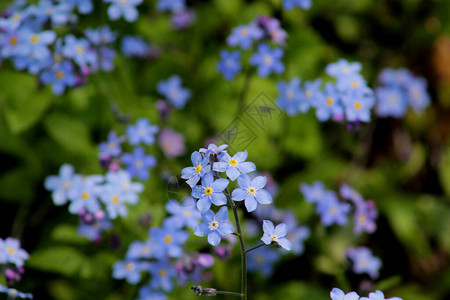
x,y
63,260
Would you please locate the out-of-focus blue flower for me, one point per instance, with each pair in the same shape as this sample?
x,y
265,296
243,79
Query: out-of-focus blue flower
x,y
169,240
378,295
130,270
35,44
163,274
60,76
365,215
267,60
14,21
262,260
329,104
338,294
59,14
147,293
349,193
214,226
332,211
311,94
399,77
182,19
357,105
418,95
211,191
142,132
134,46
275,234
101,35
138,164
392,102
229,65
83,6
9,43
313,193
342,68
364,261
138,250
11,252
171,5
273,29
13,293
234,166
184,214
244,35
171,142
200,168
93,231
79,50
252,191
174,92
290,97
33,64
290,4
59,185
128,190
125,8
84,193
111,195
297,235
112,145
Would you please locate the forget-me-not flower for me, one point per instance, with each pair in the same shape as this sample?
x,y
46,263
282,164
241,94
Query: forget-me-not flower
x,y
200,168
338,294
244,35
184,214
174,92
234,166
125,8
211,191
267,60
130,270
142,132
229,65
364,261
138,163
275,234
59,185
12,253
214,226
378,295
252,191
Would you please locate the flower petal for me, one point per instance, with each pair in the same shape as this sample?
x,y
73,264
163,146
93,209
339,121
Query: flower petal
x,y
222,214
203,204
285,243
244,181
259,182
280,230
246,167
240,156
239,194
214,238
202,229
263,197
250,203
220,166
219,185
233,173
218,199
225,228
268,227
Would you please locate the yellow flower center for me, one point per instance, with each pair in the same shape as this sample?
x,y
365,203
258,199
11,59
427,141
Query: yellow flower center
x,y
79,50
252,191
10,250
59,74
330,101
85,195
354,84
198,168
115,199
130,266
268,60
34,38
362,219
16,17
245,32
308,94
146,250
13,40
274,238
208,191
187,213
162,273
168,239
357,105
233,162
138,163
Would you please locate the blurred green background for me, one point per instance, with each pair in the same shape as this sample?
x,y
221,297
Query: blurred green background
x,y
403,165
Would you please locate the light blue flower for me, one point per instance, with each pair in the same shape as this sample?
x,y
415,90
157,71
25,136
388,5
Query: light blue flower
x,y
262,260
244,35
35,44
275,235
61,75
313,193
125,8
11,252
79,50
138,163
200,168
101,35
169,240
349,193
290,97
251,191
84,193
364,261
93,231
112,146
378,295
357,105
138,250
111,196
142,132
128,190
329,104
147,293
174,92
267,60
83,6
234,166
342,68
338,294
419,98
229,65
311,94
214,226
130,270
59,14
211,191
171,5
59,185
163,274
332,211
184,214
290,4
214,150
13,293
134,46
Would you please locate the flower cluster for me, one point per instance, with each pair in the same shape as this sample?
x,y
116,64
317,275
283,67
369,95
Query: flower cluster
x,y
349,98
399,90
338,294
255,36
12,259
100,198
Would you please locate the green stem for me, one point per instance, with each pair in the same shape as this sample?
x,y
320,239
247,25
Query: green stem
x,y
254,248
229,293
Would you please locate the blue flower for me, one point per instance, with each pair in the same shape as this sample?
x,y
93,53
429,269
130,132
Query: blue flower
x,y
267,60
214,226
211,191
112,145
13,293
296,235
79,50
142,132
290,97
234,166
275,234
244,35
9,42
134,46
11,252
93,231
343,68
313,193
329,104
349,193
365,216
290,4
138,250
125,8
128,190
171,5
59,185
364,261
101,35
311,94
61,75
59,14
378,295
419,98
174,92
138,163
130,270
35,44
84,193
391,102
229,64
163,274
332,211
185,214
399,77
33,64
169,240
200,168
357,105
84,6
214,150
14,21
338,294
251,191
273,29
111,196
147,293
262,260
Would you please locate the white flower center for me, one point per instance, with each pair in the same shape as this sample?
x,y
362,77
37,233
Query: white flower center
x,y
213,225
